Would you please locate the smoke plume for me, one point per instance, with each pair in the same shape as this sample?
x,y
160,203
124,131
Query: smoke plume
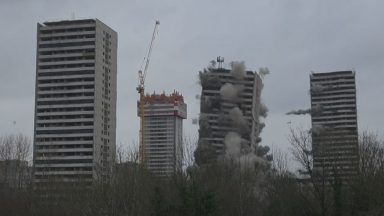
x,y
232,143
317,88
263,110
237,117
315,110
299,112
263,71
228,91
250,160
317,129
238,70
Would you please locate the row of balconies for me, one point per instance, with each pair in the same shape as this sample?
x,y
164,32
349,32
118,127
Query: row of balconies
x,y
66,146
68,69
66,62
159,151
343,100
244,96
65,109
351,95
328,152
48,173
67,43
160,158
64,88
154,164
74,26
84,92
66,153
70,129
66,80
338,106
64,135
168,156
333,121
56,49
335,83
336,148
64,113
64,84
157,124
70,56
78,157
335,91
66,99
157,146
164,133
83,38
159,140
63,150
66,124
339,116
335,161
335,139
67,53
62,119
66,34
69,142
65,165
41,180
66,91
332,76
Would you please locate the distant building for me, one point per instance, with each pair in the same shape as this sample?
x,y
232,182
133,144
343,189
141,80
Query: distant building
x,y
14,174
163,132
230,101
75,105
334,124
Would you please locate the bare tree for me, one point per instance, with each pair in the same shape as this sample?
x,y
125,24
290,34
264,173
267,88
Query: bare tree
x,y
15,154
368,193
189,147
301,143
371,151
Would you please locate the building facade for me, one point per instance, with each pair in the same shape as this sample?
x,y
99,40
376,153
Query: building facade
x,y
75,101
229,102
163,132
334,124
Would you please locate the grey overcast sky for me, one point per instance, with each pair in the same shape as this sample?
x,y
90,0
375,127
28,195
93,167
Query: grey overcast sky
x,y
291,38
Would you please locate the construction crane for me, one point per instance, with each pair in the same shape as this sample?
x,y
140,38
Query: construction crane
x,y
140,89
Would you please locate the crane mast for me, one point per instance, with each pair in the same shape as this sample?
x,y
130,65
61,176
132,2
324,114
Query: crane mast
x,y
141,90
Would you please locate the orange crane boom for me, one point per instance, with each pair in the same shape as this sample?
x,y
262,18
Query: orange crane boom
x,y
141,90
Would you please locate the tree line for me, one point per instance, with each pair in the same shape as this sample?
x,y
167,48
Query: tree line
x,y
223,187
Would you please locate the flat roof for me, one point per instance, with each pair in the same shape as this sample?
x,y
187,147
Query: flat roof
x,y
66,22
349,72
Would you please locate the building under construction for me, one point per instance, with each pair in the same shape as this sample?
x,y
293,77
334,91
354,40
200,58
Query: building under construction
x,y
163,132
334,124
229,110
